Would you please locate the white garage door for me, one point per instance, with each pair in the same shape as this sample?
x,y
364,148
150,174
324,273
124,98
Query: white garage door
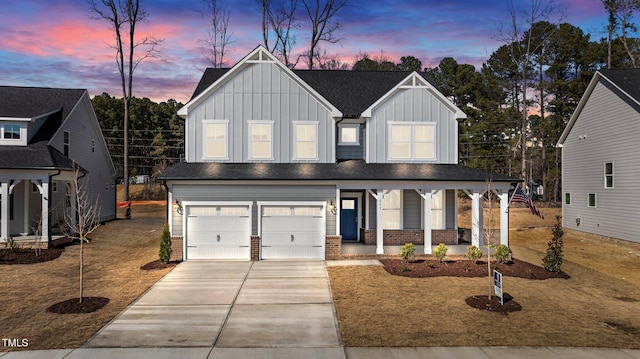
x,y
293,232
218,232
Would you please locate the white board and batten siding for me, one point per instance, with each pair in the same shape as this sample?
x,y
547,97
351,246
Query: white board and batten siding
x,y
261,92
607,130
413,105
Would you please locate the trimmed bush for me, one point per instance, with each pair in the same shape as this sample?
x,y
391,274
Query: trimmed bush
x,y
440,252
552,261
503,254
474,253
165,245
407,252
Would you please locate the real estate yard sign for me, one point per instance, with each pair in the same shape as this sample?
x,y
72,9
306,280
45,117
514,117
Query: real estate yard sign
x,y
497,285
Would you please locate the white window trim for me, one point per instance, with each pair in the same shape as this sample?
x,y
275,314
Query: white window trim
x,y
401,209
564,200
349,125
412,141
295,141
250,141
204,139
613,169
2,132
595,200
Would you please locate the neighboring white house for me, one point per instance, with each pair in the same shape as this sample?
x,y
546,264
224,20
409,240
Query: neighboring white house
x,y
601,158
44,133
285,163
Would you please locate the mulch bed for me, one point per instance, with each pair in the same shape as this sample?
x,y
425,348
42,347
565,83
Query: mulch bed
x,y
74,306
28,256
466,268
483,302
157,264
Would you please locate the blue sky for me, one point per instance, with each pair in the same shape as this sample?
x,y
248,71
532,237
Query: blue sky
x,y
54,43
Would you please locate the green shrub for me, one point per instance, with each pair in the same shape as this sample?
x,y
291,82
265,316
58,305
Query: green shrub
x,y
474,253
165,245
407,251
440,252
503,253
552,261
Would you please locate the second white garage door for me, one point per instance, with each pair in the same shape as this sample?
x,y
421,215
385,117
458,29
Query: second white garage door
x,y
218,232
293,231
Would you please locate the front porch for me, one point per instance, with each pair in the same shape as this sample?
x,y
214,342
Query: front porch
x,y
360,250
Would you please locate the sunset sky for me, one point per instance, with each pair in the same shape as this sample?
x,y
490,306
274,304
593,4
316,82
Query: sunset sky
x,y
54,43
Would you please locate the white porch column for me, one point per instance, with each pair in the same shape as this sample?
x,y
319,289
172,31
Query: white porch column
x,y
379,223
426,196
26,216
4,212
44,190
504,217
477,238
338,203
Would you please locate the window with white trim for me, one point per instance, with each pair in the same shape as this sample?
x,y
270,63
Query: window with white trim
x,y
260,140
392,209
10,131
437,210
216,133
591,200
66,138
608,175
349,134
567,198
411,141
306,141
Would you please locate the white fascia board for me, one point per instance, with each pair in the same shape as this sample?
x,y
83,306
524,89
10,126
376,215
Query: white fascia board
x,y
417,82
29,119
578,110
264,56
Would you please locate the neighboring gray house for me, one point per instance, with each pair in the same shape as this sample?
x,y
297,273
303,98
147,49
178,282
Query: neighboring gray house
x,y
43,133
601,158
285,163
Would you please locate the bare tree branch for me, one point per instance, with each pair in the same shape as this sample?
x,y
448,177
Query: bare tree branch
x,y
218,39
323,28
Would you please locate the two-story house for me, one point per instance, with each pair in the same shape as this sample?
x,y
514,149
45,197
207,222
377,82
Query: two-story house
x,y
45,133
285,163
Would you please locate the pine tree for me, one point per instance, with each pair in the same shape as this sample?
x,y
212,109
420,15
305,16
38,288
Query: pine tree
x,y
165,245
553,260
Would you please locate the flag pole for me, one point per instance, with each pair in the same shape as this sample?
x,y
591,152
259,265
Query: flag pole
x,y
513,194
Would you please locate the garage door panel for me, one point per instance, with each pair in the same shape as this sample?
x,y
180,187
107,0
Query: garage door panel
x,y
216,232
293,232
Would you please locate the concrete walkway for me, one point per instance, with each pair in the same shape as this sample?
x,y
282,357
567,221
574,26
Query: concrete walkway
x,y
267,309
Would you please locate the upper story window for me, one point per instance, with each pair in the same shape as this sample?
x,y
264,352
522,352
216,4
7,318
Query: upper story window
x,y
260,140
306,141
216,136
412,141
349,134
66,143
591,202
567,198
608,175
10,131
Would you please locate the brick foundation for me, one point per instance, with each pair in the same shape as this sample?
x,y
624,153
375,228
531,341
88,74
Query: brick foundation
x,y
176,249
398,237
333,247
255,248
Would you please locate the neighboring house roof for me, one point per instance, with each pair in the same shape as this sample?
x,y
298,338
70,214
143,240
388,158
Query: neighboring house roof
x,y
33,102
343,171
34,156
624,82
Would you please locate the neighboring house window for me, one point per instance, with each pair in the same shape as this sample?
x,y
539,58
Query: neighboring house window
x,y
608,175
215,139
10,132
592,199
392,210
412,141
567,198
306,141
93,146
261,140
65,145
349,134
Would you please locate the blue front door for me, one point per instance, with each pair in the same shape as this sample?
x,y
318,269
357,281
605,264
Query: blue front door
x,y
349,218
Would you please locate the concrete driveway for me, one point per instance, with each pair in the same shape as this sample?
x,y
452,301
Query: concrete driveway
x,y
233,309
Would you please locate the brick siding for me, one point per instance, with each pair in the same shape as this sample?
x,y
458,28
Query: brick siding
x,y
255,248
333,247
398,237
176,249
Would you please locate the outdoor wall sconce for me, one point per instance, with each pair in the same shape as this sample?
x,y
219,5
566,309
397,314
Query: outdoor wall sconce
x,y
332,207
178,207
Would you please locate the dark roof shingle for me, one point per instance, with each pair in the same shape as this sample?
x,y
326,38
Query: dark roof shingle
x,y
30,102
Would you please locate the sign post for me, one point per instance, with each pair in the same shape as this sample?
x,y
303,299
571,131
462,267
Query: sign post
x,y
497,285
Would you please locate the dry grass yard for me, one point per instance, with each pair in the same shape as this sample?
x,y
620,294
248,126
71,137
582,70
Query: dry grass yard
x,y
597,307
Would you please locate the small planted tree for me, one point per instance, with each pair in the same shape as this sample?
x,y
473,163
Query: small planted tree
x,y
474,253
552,261
165,245
407,252
440,252
82,218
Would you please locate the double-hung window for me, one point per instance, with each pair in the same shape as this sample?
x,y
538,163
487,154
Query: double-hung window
x,y
306,141
261,140
412,141
66,139
392,209
608,175
216,136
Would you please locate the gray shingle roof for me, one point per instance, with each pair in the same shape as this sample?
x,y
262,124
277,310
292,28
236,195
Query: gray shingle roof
x,y
343,171
628,80
30,102
34,156
351,92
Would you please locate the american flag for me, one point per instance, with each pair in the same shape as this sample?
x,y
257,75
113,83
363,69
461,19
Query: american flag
x,y
520,196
